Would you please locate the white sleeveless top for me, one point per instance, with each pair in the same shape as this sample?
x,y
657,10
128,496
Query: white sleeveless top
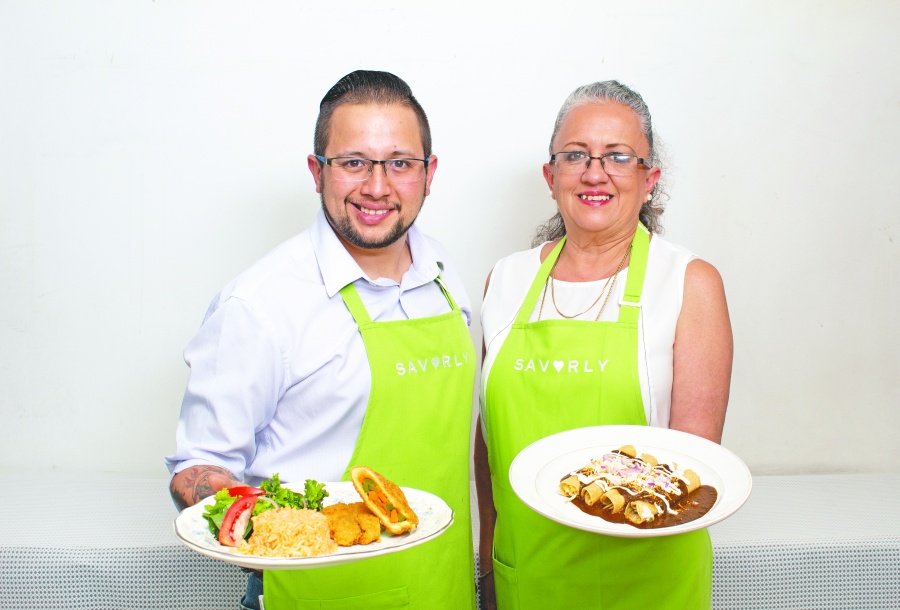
x,y
661,304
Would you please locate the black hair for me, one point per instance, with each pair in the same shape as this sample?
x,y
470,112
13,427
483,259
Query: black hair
x,y
368,87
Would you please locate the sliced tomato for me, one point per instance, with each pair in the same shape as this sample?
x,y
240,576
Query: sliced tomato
x,y
231,533
245,490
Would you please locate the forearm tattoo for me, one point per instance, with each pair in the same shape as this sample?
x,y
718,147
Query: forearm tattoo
x,y
197,482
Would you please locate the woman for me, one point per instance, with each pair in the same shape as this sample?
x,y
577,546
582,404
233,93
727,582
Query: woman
x,y
600,285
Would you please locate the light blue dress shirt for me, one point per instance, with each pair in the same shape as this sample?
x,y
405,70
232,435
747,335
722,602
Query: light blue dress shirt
x,y
279,378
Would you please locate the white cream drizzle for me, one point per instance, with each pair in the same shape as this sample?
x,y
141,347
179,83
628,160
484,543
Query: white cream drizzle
x,y
630,475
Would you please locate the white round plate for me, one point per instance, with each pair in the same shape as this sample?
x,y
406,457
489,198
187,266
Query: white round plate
x,y
536,471
435,516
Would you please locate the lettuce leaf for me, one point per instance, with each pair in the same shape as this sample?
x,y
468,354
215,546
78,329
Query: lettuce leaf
x,y
215,513
315,494
282,496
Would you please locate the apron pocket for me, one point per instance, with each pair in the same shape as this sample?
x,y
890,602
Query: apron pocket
x,y
506,584
383,600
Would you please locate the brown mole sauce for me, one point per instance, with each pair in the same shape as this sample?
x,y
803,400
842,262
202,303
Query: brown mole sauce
x,y
693,506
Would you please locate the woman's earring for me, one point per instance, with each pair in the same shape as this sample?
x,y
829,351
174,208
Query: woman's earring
x,y
649,196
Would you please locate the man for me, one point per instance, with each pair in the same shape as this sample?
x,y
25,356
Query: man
x,y
323,333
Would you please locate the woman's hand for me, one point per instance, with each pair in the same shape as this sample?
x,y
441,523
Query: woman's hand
x,y
487,516
488,594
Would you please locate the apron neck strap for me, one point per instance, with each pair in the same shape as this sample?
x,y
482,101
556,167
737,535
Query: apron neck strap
x,y
538,284
630,305
354,303
446,291
631,300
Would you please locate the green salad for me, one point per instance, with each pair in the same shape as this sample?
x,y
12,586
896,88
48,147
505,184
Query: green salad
x,y
270,494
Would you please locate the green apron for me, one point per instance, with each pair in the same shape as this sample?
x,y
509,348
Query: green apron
x,y
415,432
556,375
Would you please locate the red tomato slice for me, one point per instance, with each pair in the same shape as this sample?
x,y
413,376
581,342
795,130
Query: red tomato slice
x,y
244,490
235,522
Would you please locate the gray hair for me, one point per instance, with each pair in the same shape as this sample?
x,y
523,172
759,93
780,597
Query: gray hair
x,y
601,93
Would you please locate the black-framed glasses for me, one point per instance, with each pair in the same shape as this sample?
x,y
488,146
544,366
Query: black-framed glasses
x,y
359,169
613,163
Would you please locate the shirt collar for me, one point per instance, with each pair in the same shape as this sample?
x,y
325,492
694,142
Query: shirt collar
x,y
339,269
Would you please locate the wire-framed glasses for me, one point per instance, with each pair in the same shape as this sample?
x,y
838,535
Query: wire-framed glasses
x,y
613,163
359,169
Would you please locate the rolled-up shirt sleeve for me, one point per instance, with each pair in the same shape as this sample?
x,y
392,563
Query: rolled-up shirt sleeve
x,y
236,378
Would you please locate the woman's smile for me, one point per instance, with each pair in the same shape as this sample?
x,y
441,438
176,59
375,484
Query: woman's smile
x,y
595,198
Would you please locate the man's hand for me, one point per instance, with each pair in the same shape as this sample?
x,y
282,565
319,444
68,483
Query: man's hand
x,y
197,482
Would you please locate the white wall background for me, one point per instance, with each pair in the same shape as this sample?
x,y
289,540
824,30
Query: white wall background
x,y
151,150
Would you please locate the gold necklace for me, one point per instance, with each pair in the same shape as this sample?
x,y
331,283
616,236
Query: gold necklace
x,y
603,290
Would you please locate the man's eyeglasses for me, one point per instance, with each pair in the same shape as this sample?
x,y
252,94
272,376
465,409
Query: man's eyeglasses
x,y
613,163
357,169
